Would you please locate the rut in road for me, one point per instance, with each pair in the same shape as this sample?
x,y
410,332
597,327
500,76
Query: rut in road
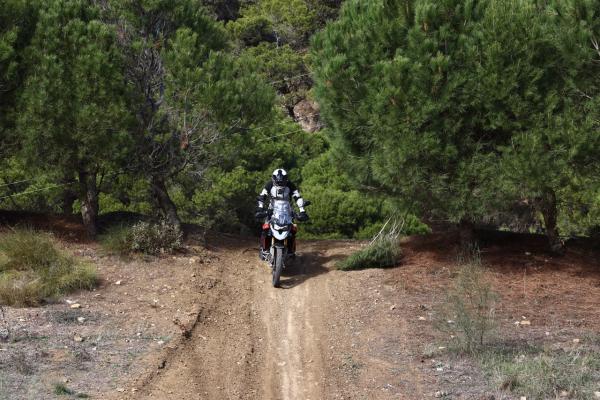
x,y
253,341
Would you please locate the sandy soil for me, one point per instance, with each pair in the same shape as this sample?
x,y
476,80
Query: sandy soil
x,y
208,325
312,339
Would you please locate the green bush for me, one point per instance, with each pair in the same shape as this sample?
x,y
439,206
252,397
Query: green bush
x,y
33,270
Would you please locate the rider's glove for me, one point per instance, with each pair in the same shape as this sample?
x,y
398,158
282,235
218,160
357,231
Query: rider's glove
x,y
260,214
302,217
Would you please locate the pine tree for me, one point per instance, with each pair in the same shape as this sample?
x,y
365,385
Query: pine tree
x,y
73,116
187,92
460,108
542,60
17,22
394,79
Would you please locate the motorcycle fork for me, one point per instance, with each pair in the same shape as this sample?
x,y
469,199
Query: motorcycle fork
x,y
285,246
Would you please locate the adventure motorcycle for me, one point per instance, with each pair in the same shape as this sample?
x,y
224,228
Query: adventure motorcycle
x,y
282,232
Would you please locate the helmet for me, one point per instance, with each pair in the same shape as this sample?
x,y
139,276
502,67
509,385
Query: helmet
x,y
280,177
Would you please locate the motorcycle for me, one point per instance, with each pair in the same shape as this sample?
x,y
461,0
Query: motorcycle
x,y
281,231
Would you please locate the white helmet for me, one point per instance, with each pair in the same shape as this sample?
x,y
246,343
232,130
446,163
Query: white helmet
x,y
280,177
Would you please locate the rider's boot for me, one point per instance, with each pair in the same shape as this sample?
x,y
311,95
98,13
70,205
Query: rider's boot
x,y
263,254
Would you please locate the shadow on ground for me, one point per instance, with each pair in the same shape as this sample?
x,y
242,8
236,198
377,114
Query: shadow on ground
x,y
310,263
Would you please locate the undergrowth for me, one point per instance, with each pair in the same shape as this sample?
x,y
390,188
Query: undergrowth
x,y
467,315
538,373
143,237
523,369
382,252
33,269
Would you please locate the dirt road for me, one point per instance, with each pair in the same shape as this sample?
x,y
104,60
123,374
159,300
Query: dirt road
x,y
206,324
306,340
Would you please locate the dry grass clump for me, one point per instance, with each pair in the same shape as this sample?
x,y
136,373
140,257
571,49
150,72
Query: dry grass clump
x,y
382,252
539,373
34,270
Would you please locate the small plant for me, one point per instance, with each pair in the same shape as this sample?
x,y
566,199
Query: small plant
x,y
468,313
62,390
32,269
155,238
383,251
539,373
143,237
117,240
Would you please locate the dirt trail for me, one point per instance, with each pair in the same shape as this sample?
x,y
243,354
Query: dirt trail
x,y
253,341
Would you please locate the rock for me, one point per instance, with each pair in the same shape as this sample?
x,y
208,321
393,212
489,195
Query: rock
x,y
117,283
75,305
597,395
81,320
441,393
120,390
523,398
160,342
576,341
162,364
525,322
422,319
306,114
564,393
78,338
393,307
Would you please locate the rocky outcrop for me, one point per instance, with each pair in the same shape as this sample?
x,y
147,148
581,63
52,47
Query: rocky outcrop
x,y
306,113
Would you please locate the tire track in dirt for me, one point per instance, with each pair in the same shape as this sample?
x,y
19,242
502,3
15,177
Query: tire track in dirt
x,y
294,357
253,341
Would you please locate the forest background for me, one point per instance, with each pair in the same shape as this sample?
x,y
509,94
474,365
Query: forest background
x,y
433,112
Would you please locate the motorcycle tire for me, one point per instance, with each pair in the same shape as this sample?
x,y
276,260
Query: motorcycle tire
x,y
277,266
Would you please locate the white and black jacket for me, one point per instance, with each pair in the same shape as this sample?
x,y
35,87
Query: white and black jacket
x,y
288,192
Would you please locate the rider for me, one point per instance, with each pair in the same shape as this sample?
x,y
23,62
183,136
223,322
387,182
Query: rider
x,y
278,188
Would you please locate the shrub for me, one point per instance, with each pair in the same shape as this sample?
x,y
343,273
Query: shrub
x,y
152,238
468,313
383,251
155,238
541,373
32,269
117,240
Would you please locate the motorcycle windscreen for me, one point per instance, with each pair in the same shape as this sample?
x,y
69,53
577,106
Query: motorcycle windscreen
x,y
282,212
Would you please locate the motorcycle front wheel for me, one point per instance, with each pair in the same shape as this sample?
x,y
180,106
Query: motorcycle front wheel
x,y
277,265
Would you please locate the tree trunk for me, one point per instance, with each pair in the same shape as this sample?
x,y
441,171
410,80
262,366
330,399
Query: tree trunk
x,y
88,195
546,205
161,195
467,235
68,198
